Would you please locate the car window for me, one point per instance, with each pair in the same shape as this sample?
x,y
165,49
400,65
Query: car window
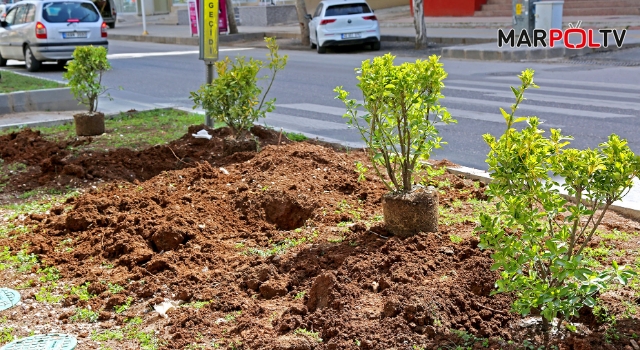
x,y
60,12
347,9
21,13
318,11
11,15
31,13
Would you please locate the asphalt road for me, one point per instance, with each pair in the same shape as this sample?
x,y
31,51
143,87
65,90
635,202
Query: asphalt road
x,y
587,101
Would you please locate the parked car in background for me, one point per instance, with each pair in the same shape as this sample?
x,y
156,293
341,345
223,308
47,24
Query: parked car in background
x,y
36,31
108,11
343,22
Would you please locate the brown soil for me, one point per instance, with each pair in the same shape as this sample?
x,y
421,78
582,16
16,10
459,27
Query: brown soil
x,y
202,233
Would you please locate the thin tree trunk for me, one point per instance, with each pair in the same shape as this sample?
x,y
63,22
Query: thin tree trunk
x,y
418,22
231,18
301,8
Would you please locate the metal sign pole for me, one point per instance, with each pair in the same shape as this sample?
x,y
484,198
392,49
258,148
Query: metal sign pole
x,y
144,19
209,40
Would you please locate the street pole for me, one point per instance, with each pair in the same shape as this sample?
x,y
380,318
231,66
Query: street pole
x,y
144,19
209,30
207,118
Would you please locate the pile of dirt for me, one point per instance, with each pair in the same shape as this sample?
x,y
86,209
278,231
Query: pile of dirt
x,y
281,245
53,163
209,233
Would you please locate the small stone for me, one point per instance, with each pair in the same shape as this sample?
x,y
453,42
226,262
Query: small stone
x,y
634,344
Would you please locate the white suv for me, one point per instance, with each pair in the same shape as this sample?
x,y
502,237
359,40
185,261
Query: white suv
x,y
343,22
49,30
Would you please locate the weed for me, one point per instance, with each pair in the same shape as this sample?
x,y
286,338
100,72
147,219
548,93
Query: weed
x,y
45,295
84,315
106,265
51,274
300,295
313,335
232,316
25,285
197,304
22,261
82,292
336,240
124,307
6,335
115,288
455,238
282,247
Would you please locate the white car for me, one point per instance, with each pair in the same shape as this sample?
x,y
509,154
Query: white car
x,y
343,22
35,31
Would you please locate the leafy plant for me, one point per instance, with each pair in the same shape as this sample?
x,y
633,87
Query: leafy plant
x,y
538,236
85,315
115,288
233,98
124,307
84,74
402,106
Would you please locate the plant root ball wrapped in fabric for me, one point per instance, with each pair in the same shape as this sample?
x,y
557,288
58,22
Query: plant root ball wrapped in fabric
x,y
407,214
89,124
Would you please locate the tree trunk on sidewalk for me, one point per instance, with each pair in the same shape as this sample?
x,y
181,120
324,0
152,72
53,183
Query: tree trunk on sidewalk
x,y
301,8
418,22
231,18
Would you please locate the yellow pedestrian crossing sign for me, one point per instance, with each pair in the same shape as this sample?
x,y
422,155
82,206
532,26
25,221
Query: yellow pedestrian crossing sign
x,y
209,30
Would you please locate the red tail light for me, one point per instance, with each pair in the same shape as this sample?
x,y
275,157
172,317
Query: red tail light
x,y
327,21
372,18
41,31
103,29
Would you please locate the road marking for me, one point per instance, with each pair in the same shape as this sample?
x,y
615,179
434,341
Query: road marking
x,y
305,123
310,107
578,83
530,96
556,111
117,56
455,113
550,89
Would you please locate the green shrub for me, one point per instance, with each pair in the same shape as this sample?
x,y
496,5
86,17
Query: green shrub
x,y
538,236
84,74
402,104
233,98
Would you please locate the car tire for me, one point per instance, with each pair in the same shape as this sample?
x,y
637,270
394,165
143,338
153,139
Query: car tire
x,y
3,61
319,48
111,25
33,65
375,46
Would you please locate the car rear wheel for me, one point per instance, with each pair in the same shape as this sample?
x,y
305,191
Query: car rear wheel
x,y
3,62
375,46
31,62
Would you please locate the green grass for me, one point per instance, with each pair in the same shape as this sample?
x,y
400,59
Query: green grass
x,y
82,292
131,331
115,288
21,261
6,335
124,307
197,304
45,295
37,206
136,131
296,137
12,82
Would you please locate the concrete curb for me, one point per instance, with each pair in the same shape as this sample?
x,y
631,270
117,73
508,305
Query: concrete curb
x,y
59,99
625,209
523,54
245,37
193,41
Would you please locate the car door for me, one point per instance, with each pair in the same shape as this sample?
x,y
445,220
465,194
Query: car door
x,y
5,34
23,26
15,37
